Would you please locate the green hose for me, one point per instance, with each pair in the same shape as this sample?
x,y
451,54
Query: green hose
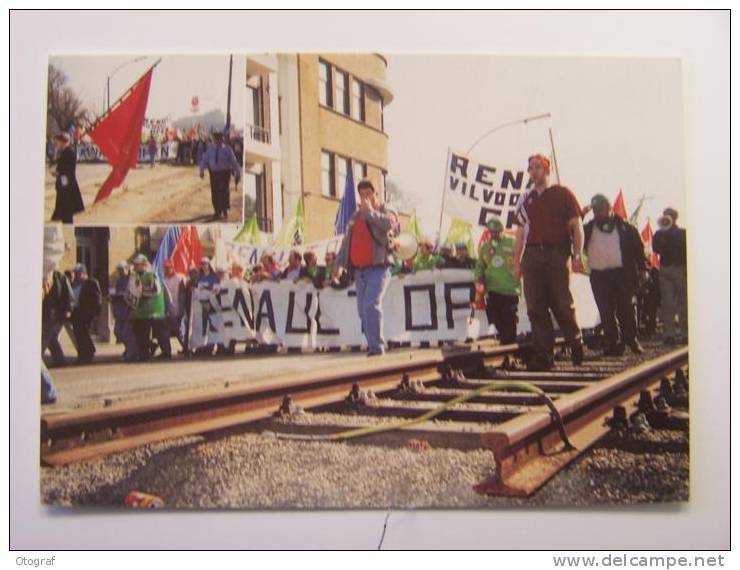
x,y
498,385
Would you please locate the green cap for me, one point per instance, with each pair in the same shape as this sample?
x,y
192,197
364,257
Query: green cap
x,y
600,201
495,225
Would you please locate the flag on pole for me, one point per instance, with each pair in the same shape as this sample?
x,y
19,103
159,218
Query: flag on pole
x,y
636,213
414,228
647,239
619,207
188,251
182,246
250,232
347,206
166,249
293,230
118,134
461,232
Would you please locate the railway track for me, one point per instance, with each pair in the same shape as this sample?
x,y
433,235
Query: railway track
x,y
532,434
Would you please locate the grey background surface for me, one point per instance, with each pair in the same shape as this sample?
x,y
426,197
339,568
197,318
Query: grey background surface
x,y
701,39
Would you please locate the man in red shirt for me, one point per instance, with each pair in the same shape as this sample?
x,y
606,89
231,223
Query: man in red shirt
x,y
549,231
366,252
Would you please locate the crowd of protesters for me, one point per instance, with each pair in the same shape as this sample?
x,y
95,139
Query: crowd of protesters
x,y
188,150
630,291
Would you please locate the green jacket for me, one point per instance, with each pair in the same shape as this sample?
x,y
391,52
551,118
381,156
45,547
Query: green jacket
x,y
494,267
424,263
151,303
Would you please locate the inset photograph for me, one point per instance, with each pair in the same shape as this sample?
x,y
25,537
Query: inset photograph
x,y
144,139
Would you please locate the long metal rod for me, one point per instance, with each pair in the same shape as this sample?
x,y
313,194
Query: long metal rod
x,y
507,124
488,133
122,97
444,195
554,156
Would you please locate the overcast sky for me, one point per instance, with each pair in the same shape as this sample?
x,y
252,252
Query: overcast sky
x,y
175,81
617,123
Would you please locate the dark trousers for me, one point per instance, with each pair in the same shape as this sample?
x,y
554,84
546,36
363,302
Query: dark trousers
x,y
547,288
502,313
220,190
647,313
173,329
143,331
85,346
615,301
50,329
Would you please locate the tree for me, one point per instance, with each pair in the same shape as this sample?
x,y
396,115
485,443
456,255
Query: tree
x,y
63,108
396,197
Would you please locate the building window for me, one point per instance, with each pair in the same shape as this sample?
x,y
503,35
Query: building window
x,y
343,167
359,171
328,182
280,115
263,204
358,100
341,92
256,115
325,84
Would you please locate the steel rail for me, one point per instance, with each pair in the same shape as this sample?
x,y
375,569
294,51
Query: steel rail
x,y
528,450
83,435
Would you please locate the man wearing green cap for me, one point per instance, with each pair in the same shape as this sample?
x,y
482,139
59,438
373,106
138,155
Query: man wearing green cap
x,y
616,257
493,273
149,312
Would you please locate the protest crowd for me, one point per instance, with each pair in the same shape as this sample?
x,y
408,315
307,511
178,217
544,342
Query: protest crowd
x,y
634,289
221,154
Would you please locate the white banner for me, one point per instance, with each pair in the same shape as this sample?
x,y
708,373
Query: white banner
x,y
475,192
430,306
228,251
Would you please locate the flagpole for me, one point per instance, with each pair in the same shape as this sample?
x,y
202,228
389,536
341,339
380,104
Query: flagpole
x,y
112,108
228,97
554,156
444,195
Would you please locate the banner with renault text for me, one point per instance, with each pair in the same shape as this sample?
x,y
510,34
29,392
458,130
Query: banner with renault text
x,y
426,307
476,192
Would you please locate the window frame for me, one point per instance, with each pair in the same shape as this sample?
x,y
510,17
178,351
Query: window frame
x,y
331,175
341,180
346,95
361,114
328,89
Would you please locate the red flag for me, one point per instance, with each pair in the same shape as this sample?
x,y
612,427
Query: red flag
x,y
619,207
647,238
188,251
118,135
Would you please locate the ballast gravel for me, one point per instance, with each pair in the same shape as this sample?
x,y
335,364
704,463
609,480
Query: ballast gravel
x,y
253,471
250,470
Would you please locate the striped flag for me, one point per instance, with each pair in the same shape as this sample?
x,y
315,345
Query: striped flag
x,y
182,246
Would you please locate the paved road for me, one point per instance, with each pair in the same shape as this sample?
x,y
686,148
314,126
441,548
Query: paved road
x,y
114,380
160,194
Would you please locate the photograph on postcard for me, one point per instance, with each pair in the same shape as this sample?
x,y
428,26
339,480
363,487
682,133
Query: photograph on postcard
x,y
144,139
450,281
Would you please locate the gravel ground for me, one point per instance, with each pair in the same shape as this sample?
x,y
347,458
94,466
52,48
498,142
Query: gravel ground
x,y
249,470
253,471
